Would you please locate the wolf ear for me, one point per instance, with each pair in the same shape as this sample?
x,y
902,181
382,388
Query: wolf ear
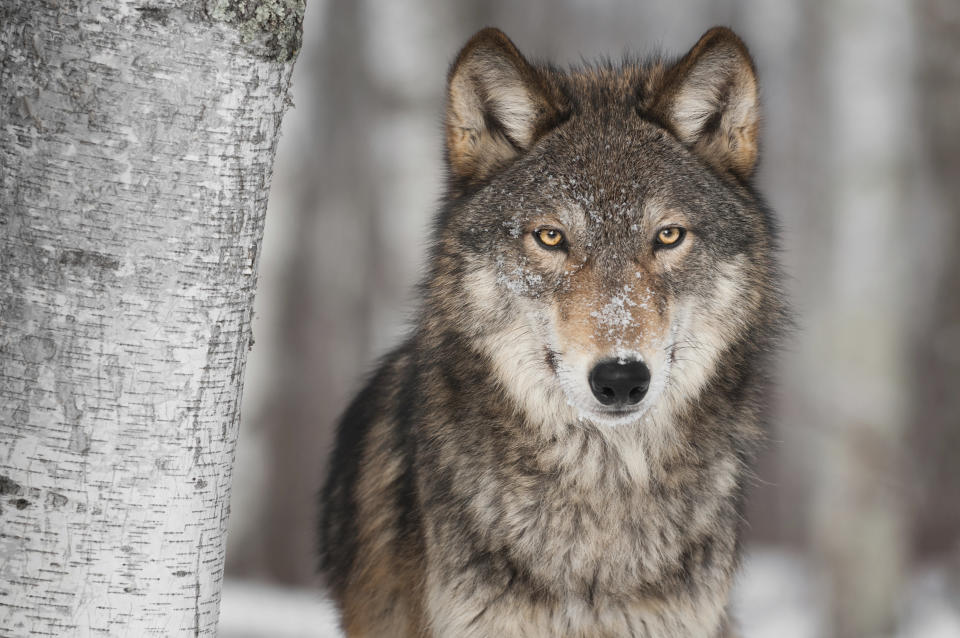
x,y
710,100
497,106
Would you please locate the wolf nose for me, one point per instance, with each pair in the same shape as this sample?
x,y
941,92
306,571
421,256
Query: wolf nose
x,y
619,383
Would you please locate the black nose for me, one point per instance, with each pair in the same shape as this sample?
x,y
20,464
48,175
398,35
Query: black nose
x,y
619,383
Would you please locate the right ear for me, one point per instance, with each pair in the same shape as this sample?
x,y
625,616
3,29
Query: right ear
x,y
497,106
710,100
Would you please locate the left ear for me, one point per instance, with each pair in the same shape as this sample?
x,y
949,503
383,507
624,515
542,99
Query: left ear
x,y
709,99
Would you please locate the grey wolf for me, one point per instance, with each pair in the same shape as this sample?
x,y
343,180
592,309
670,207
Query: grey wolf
x,y
561,445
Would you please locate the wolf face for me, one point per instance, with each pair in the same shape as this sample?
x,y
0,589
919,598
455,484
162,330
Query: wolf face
x,y
603,224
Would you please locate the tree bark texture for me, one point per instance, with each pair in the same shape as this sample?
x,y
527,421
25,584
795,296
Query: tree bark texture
x,y
136,145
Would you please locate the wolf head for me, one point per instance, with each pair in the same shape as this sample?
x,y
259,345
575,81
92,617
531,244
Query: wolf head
x,y
601,243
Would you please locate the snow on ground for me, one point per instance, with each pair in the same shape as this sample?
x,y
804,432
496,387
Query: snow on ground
x,y
776,597
254,610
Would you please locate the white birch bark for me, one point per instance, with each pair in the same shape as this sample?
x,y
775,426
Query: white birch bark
x,y
136,144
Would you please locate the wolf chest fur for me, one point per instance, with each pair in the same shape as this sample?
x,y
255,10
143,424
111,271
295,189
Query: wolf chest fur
x,y
560,446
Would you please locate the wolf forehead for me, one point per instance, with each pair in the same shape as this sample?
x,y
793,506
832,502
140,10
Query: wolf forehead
x,y
602,172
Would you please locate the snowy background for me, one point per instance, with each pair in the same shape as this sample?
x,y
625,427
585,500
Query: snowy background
x,y
855,516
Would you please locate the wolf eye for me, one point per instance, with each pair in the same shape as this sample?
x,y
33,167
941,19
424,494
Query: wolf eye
x,y
549,237
670,236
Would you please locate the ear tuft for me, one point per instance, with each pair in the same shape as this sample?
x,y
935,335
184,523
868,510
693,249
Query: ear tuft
x,y
710,99
497,106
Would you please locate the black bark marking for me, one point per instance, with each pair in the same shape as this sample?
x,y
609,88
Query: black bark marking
x,y
154,14
9,487
88,259
55,500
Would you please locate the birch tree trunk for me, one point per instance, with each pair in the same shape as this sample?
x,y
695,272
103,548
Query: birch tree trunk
x,y
136,144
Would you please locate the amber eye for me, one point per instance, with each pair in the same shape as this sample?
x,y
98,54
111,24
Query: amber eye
x,y
670,236
549,237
